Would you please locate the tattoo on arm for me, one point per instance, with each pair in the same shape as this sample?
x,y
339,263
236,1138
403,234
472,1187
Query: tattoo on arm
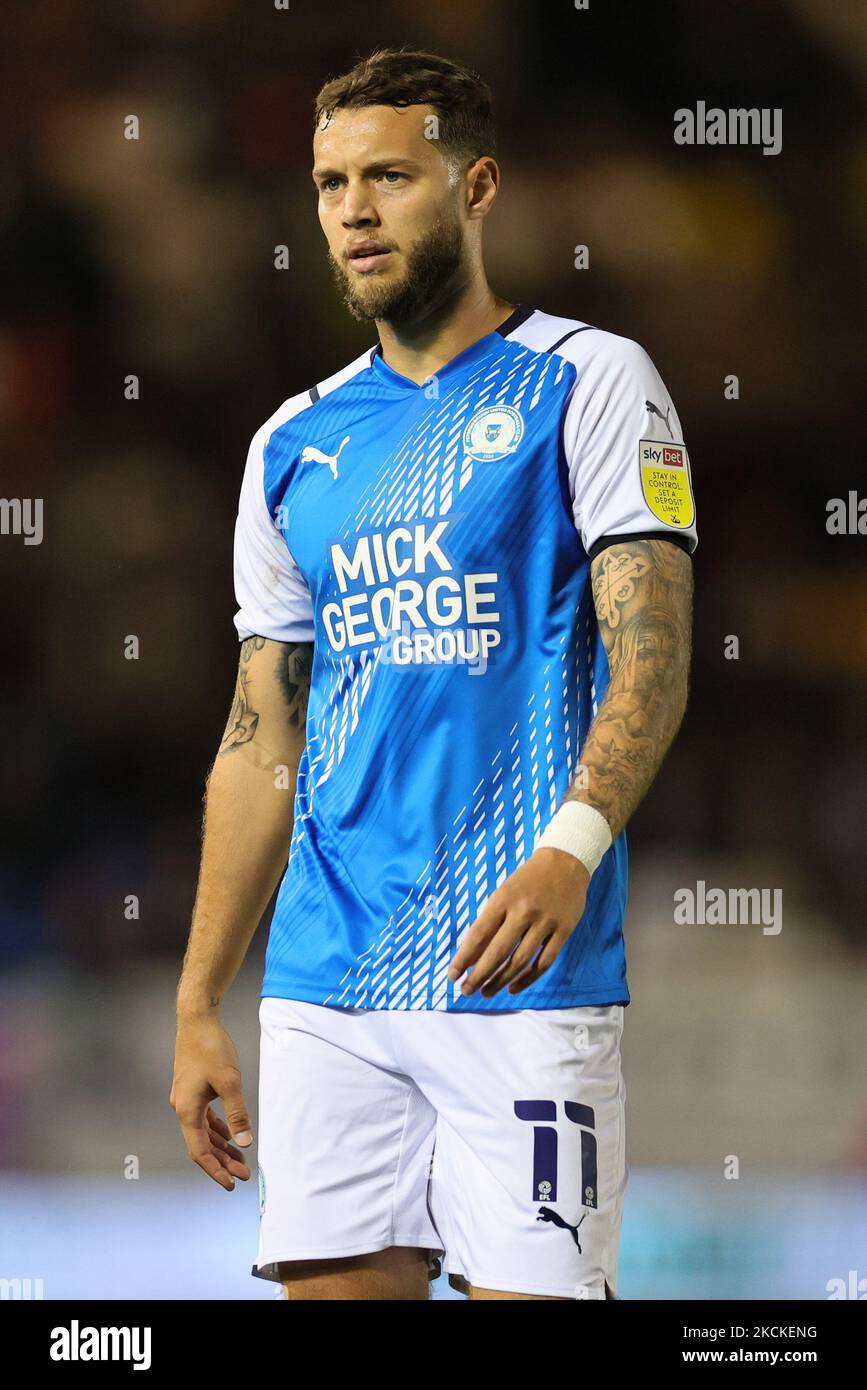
x,y
295,663
295,680
242,717
643,596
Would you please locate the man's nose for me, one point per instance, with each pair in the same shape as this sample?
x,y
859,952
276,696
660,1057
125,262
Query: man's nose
x,y
358,208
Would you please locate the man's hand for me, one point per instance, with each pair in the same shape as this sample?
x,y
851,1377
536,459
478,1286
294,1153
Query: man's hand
x,y
206,1066
519,932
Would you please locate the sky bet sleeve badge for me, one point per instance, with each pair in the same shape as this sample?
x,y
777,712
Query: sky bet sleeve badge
x,y
665,481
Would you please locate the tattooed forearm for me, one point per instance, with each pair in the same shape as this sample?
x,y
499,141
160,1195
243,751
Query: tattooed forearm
x,y
643,596
242,717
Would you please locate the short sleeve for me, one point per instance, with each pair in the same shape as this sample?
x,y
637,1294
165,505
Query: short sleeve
x,y
273,597
629,471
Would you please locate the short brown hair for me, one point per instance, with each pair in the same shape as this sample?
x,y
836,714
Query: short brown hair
x,y
407,77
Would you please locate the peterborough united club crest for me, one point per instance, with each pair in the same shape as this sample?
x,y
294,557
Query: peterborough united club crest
x,y
493,433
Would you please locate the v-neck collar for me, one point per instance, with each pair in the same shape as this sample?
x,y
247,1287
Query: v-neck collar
x,y
475,352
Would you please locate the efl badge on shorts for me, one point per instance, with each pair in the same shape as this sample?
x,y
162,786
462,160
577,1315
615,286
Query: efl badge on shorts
x,y
665,482
493,433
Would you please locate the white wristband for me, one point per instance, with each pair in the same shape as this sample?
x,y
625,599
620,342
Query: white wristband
x,y
578,829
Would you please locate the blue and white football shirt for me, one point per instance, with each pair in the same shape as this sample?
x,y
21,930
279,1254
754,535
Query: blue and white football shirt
x,y
434,543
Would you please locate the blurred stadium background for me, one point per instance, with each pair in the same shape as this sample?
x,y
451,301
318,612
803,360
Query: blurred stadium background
x,y
155,257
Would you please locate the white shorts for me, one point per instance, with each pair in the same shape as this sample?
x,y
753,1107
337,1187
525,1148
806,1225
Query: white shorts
x,y
494,1140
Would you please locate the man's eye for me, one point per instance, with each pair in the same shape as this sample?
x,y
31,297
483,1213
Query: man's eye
x,y
330,185
392,174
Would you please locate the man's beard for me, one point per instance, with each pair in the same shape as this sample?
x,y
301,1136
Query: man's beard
x,y
431,263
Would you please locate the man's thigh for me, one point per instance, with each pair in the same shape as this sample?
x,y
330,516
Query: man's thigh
x,y
529,1169
400,1272
344,1148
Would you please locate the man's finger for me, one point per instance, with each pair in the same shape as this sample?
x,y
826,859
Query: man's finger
x,y
217,1122
222,1146
237,1116
540,965
218,1125
520,960
497,953
200,1151
478,935
214,1169
228,1156
236,1167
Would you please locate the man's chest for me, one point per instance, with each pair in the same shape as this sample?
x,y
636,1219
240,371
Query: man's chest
x,y
417,493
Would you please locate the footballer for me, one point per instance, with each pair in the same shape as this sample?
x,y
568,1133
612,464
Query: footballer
x,y
464,585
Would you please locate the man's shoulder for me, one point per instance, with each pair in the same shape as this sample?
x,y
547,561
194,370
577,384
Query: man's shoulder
x,y
307,399
580,343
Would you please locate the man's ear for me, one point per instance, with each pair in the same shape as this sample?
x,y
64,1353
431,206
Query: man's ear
x,y
483,179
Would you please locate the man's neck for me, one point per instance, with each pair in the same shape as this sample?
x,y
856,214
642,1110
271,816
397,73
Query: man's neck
x,y
419,350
